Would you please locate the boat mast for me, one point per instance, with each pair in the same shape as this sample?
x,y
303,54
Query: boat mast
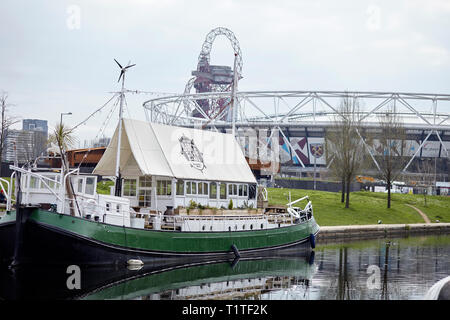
x,y
118,183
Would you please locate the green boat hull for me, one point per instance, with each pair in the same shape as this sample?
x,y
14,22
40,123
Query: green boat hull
x,y
51,238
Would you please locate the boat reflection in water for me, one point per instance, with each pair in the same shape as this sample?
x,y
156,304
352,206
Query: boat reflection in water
x,y
247,278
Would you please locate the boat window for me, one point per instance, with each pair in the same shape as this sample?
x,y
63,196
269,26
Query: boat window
x,y
145,196
129,187
33,182
205,188
90,185
262,226
118,208
212,190
80,185
51,183
108,206
188,187
164,187
233,189
252,191
180,187
145,182
42,184
223,191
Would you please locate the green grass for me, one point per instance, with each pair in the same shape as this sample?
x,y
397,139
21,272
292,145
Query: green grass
x,y
103,187
365,207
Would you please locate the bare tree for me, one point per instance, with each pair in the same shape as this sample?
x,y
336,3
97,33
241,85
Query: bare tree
x,y
389,147
345,150
6,122
426,181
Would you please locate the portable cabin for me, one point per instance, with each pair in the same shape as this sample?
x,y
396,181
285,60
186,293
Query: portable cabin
x,y
166,166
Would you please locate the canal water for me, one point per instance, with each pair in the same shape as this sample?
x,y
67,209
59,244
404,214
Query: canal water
x,y
382,269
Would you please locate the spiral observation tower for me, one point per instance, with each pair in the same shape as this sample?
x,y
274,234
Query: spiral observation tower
x,y
294,122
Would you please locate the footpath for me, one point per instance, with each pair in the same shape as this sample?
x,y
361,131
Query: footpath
x,y
354,232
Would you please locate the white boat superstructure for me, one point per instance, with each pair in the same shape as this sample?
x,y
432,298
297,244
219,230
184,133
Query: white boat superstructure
x,y
49,190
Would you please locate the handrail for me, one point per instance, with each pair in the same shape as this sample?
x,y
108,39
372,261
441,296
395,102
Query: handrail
x,y
298,200
32,173
6,193
41,178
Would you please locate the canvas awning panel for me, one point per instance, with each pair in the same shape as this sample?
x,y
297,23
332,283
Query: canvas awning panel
x,y
140,153
155,149
222,156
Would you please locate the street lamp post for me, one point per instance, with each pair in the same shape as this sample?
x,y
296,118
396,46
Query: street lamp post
x,y
64,113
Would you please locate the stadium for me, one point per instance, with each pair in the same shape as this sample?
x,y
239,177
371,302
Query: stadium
x,y
282,133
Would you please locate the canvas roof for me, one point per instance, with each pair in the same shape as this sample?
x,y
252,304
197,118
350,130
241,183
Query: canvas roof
x,y
155,149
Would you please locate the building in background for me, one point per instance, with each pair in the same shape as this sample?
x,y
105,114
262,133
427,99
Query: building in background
x,y
35,125
30,142
97,143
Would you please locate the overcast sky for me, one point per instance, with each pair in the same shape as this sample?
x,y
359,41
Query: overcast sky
x,y
57,56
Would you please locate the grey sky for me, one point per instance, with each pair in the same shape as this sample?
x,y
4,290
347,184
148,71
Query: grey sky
x,y
49,66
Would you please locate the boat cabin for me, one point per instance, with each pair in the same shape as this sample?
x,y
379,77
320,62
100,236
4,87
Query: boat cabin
x,y
165,167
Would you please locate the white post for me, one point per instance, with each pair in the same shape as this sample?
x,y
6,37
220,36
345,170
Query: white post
x,y
174,192
233,98
118,192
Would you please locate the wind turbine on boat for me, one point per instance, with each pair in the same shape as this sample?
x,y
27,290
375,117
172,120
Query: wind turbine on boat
x,y
118,183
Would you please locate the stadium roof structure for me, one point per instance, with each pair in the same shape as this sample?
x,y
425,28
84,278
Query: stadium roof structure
x,y
282,110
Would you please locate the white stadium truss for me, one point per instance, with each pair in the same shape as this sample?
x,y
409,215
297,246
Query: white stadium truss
x,y
421,113
297,119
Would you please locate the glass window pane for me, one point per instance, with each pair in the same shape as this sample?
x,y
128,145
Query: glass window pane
x,y
194,187
212,190
223,191
180,187
80,185
188,187
169,188
129,187
200,188
145,182
241,191
90,185
144,197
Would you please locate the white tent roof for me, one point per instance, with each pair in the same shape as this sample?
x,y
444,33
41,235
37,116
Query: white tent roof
x,y
154,149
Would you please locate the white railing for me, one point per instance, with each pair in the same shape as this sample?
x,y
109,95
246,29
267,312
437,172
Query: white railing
x,y
6,192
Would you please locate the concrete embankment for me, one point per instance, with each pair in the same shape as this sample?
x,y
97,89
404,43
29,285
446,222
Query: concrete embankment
x,y
342,233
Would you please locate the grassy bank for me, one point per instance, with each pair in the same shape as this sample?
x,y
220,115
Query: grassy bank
x,y
366,207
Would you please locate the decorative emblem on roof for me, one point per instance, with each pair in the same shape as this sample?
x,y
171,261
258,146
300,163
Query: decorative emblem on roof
x,y
191,152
